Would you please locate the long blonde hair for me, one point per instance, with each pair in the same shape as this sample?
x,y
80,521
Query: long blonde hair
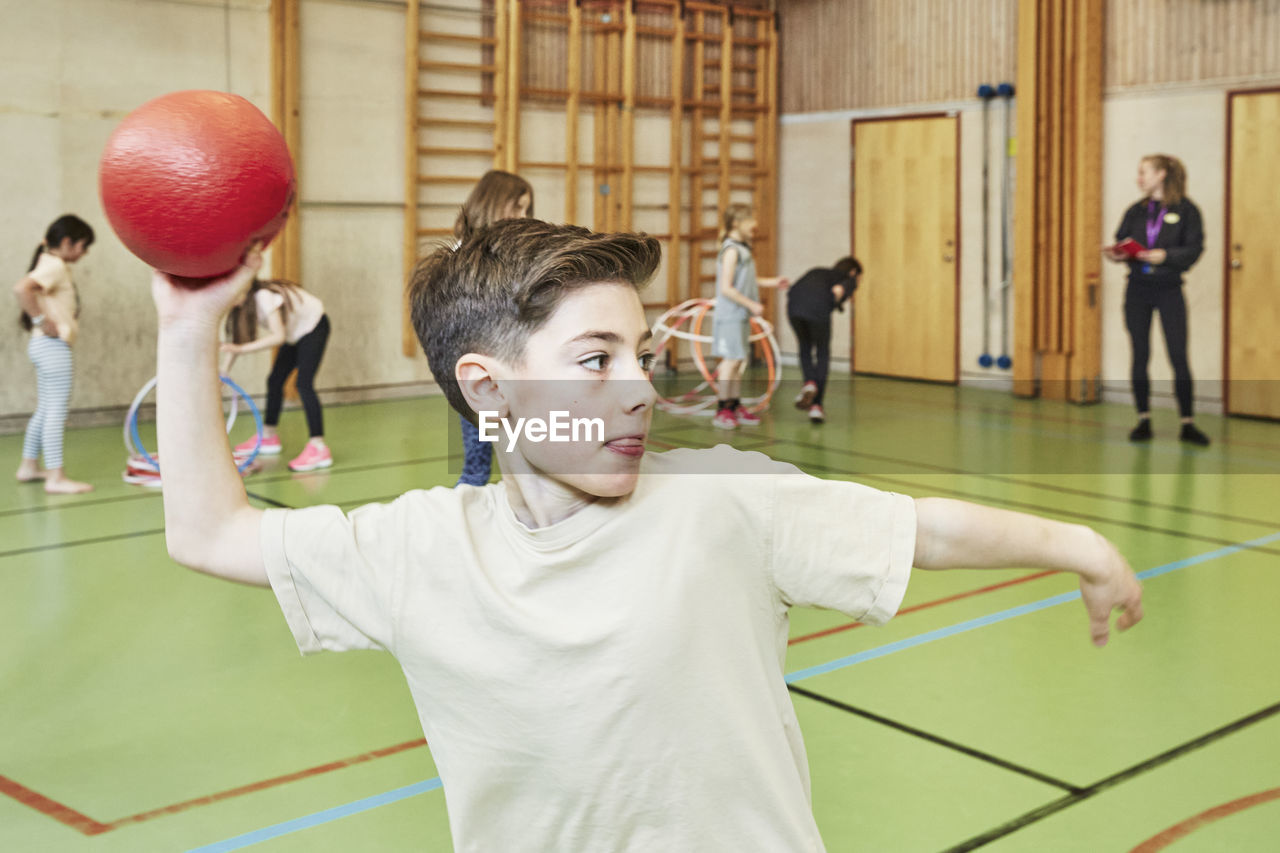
x,y
1175,176
242,319
733,214
489,200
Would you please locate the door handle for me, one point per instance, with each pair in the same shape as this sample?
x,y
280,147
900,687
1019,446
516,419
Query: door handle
x,y
1235,263
948,258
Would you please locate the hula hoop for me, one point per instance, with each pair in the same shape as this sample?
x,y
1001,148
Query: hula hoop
x,y
696,402
133,442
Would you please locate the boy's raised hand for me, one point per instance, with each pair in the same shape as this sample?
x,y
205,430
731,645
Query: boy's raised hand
x,y
177,302
1110,586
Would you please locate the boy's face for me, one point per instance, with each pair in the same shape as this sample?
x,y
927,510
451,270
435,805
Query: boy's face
x,y
591,360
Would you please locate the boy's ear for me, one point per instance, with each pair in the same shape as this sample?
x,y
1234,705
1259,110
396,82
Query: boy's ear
x,y
477,376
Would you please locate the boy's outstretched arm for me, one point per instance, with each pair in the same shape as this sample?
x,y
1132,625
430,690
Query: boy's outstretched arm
x,y
208,523
954,534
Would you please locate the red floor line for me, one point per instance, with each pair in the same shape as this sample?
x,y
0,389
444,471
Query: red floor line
x,y
925,606
1181,830
88,826
267,783
62,814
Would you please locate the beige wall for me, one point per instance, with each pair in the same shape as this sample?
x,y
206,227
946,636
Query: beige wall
x,y
69,71
815,152
814,174
352,192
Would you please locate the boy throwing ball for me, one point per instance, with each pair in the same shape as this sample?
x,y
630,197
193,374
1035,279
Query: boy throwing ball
x,y
595,644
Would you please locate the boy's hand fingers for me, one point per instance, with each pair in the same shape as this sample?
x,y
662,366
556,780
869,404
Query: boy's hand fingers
x,y
1100,627
253,256
1132,612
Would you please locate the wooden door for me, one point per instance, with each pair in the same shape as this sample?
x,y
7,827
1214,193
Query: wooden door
x,y
1253,255
904,233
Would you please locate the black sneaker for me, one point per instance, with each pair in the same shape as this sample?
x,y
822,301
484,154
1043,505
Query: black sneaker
x,y
1191,435
1142,432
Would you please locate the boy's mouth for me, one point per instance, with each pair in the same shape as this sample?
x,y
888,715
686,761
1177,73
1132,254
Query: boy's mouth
x,y
627,445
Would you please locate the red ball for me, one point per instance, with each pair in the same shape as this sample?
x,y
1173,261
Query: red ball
x,y
191,179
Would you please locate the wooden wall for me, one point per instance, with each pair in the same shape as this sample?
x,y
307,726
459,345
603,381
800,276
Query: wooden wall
x,y
856,54
1157,42
861,54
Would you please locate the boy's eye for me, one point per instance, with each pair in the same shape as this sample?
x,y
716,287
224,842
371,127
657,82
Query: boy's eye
x,y
595,362
646,361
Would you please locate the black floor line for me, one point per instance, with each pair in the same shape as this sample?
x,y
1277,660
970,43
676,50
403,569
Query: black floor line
x,y
279,478
1104,427
272,501
757,443
1024,505
98,540
354,469
938,740
28,510
1111,781
72,543
1002,478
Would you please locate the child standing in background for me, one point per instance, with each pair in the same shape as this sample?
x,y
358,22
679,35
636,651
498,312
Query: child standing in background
x,y
496,196
737,301
810,302
51,312
297,324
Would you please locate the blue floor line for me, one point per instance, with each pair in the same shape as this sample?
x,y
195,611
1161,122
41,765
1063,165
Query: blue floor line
x,y
336,813
339,812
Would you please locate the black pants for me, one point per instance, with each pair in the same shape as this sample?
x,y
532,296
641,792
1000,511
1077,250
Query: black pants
x,y
1140,300
305,355
814,338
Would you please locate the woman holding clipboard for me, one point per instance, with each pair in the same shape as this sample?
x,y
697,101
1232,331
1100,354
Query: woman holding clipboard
x,y
1160,237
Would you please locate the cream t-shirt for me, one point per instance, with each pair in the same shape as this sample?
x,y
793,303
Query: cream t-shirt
x,y
613,682
54,277
305,311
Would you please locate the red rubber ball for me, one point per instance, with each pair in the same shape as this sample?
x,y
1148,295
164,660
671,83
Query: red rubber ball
x,y
191,179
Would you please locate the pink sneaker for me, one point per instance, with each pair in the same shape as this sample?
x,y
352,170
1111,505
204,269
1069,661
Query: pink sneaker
x,y
270,446
724,419
816,415
745,418
312,457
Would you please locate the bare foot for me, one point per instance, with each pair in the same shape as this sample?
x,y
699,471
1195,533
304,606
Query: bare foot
x,y
65,486
30,474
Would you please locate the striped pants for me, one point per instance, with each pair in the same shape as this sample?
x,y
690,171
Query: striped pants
x,y
52,358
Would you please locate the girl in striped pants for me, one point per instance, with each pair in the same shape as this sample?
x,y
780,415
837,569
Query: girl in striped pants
x,y
50,310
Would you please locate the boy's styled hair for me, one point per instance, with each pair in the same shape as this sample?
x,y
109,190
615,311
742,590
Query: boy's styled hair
x,y
504,282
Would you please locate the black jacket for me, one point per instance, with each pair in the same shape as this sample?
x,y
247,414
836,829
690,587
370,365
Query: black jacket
x,y
810,298
1182,240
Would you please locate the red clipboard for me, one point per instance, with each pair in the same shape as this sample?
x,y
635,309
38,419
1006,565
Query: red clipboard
x,y
1129,247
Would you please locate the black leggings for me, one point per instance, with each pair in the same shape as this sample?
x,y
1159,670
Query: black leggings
x,y
815,352
305,355
1140,300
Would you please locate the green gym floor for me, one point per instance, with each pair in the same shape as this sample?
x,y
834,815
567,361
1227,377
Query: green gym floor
x,y
148,708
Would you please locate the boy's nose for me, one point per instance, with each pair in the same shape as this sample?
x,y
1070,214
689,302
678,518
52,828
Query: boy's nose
x,y
638,395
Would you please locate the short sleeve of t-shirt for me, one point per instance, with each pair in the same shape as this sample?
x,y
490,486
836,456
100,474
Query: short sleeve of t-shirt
x,y
843,546
266,301
50,272
334,574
